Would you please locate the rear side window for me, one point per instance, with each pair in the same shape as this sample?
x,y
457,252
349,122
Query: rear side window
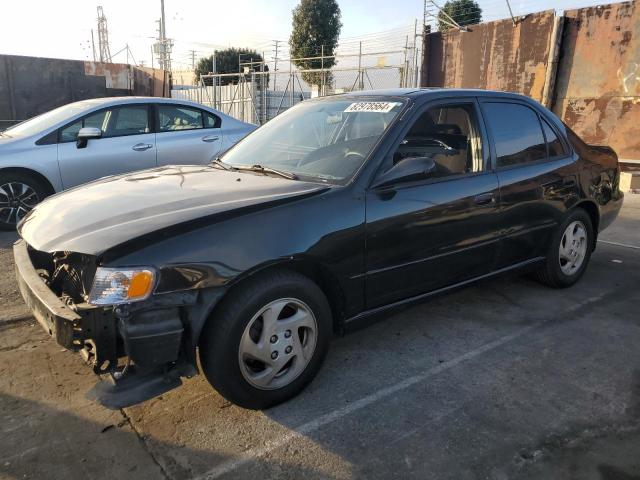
x,y
176,117
556,148
516,132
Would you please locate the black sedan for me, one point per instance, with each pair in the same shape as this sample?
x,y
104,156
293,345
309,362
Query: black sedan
x,y
338,209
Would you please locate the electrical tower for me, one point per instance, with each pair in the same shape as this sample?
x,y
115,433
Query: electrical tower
x,y
103,37
162,48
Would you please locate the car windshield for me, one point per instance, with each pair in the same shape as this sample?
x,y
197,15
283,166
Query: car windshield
x,y
326,140
42,122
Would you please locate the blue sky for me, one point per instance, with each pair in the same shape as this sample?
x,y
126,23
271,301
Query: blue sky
x,y
63,28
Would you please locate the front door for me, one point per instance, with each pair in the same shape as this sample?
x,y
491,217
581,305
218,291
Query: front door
x,y
127,144
427,234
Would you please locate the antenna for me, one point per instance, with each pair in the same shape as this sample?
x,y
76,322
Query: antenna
x,y
103,37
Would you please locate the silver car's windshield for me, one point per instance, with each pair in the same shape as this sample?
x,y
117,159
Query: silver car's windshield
x,y
42,122
326,140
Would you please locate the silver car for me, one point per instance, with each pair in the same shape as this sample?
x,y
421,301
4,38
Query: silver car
x,y
90,139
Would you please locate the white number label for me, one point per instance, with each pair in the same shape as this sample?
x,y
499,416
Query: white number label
x,y
378,107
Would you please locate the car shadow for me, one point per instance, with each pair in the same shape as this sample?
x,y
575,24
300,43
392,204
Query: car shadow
x,y
40,441
7,239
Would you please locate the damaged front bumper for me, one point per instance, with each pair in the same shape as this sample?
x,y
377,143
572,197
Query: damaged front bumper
x,y
142,350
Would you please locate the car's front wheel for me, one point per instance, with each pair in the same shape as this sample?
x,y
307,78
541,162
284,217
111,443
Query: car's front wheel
x,y
19,193
569,251
267,340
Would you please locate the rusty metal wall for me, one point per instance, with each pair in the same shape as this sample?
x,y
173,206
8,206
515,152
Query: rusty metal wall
x,y
496,55
31,85
595,88
598,81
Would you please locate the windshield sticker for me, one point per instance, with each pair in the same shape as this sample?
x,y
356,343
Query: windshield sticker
x,y
377,107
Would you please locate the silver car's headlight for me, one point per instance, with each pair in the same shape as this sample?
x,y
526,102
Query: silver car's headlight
x,y
113,286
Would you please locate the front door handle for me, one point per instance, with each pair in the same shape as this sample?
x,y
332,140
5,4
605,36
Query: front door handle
x,y
210,138
141,147
484,199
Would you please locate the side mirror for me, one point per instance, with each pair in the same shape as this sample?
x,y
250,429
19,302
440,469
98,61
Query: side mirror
x,y
85,134
407,170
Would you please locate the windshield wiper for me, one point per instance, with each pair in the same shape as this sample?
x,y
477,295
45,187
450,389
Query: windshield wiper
x,y
263,169
217,162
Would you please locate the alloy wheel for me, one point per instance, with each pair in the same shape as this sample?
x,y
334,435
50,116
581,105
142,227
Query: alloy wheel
x,y
278,344
573,248
16,200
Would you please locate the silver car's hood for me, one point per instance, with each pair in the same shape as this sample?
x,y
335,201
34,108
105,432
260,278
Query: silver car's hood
x,y
100,215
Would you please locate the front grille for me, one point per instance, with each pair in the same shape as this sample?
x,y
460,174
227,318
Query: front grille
x,y
68,274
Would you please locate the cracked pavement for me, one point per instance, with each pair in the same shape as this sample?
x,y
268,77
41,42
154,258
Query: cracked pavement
x,y
505,379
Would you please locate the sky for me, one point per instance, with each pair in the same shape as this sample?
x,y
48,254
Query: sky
x,y
62,28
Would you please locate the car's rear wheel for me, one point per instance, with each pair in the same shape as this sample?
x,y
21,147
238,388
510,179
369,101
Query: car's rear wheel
x,y
19,193
569,252
267,340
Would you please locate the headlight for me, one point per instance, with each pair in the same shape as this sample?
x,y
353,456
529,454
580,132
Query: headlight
x,y
112,286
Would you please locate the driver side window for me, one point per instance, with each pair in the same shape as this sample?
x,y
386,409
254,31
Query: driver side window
x,y
447,134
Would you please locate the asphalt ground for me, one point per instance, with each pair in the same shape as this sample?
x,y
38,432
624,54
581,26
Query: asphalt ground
x,y
505,379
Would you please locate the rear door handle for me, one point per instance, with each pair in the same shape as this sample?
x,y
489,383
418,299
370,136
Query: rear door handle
x,y
210,138
141,147
484,199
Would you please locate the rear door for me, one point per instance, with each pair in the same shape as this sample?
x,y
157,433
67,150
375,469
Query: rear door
x,y
186,135
536,174
127,144
427,234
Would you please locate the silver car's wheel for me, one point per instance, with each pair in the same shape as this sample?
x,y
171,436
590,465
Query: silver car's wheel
x,y
16,200
277,344
573,248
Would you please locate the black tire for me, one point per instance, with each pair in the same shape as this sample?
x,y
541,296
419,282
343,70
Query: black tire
x,y
7,219
551,273
220,340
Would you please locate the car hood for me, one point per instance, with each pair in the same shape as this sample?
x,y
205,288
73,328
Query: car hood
x,y
103,214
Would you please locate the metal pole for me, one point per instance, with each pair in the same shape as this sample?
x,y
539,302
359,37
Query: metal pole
x,y
93,44
360,79
511,12
321,92
403,79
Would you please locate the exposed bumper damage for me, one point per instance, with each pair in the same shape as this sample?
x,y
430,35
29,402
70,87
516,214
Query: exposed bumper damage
x,y
141,350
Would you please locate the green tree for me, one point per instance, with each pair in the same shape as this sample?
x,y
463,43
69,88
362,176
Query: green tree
x,y
228,61
464,12
316,27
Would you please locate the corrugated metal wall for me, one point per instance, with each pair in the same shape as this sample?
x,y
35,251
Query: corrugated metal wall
x,y
595,88
494,55
598,82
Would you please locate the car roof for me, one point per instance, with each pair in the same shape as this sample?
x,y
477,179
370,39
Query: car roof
x,y
106,101
416,93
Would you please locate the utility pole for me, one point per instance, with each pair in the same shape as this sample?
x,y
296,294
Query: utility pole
x,y
193,60
103,37
163,46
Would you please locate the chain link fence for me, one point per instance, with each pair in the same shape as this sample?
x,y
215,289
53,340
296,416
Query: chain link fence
x,y
258,95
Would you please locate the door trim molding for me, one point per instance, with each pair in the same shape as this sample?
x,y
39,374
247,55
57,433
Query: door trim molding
x,y
424,296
